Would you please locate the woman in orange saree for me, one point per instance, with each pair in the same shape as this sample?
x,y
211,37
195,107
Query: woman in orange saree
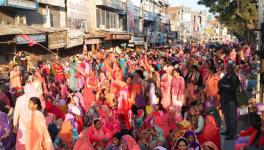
x,y
89,91
37,135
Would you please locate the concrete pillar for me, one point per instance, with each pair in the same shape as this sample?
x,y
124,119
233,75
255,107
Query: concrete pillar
x,y
46,15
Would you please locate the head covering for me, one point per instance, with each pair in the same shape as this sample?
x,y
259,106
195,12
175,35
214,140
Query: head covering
x,y
210,144
194,144
65,133
130,142
160,148
158,130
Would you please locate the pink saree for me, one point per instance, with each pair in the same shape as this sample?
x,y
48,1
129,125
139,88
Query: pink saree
x,y
37,135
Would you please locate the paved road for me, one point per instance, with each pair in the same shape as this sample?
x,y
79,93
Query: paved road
x,y
242,124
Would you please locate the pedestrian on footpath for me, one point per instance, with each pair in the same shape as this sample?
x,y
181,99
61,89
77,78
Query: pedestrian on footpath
x,y
227,89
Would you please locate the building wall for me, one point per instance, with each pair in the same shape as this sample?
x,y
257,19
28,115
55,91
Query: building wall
x,y
46,16
91,16
6,16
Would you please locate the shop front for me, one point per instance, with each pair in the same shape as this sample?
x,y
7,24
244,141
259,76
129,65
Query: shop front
x,y
93,41
137,41
116,41
155,39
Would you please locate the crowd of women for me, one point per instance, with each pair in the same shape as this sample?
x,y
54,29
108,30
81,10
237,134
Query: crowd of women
x,y
130,100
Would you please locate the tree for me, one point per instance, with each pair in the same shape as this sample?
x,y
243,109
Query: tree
x,y
239,16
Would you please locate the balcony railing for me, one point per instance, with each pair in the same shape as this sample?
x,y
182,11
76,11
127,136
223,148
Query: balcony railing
x,y
114,4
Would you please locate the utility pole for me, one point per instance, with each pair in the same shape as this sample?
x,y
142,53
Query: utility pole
x,y
259,96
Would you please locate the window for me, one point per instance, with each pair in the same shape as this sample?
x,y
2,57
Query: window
x,y
113,20
108,23
103,16
98,18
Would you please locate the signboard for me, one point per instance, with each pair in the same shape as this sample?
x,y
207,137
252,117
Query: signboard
x,y
77,14
34,37
25,4
2,2
136,11
149,16
118,37
57,39
138,38
92,41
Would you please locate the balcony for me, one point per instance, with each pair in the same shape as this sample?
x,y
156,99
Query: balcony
x,y
112,4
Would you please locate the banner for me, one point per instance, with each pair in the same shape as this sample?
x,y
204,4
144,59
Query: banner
x,y
24,4
77,14
57,39
25,39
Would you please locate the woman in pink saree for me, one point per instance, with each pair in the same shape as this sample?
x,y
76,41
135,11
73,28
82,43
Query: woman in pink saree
x,y
129,143
109,119
37,135
99,135
172,117
177,90
122,91
165,84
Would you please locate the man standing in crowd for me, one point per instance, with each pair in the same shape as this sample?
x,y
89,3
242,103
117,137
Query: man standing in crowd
x,y
227,89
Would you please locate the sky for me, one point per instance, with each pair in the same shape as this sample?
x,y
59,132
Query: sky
x,y
190,3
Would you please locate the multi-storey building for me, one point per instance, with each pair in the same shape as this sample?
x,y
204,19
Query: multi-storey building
x,y
64,24
43,21
181,17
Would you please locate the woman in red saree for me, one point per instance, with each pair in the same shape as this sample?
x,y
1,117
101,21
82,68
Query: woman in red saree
x,y
83,142
58,71
137,90
172,117
210,132
53,109
89,91
157,117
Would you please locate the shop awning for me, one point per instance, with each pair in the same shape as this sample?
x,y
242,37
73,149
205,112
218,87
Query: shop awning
x,y
23,29
118,36
95,35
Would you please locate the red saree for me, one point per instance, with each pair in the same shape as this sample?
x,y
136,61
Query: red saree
x,y
210,132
